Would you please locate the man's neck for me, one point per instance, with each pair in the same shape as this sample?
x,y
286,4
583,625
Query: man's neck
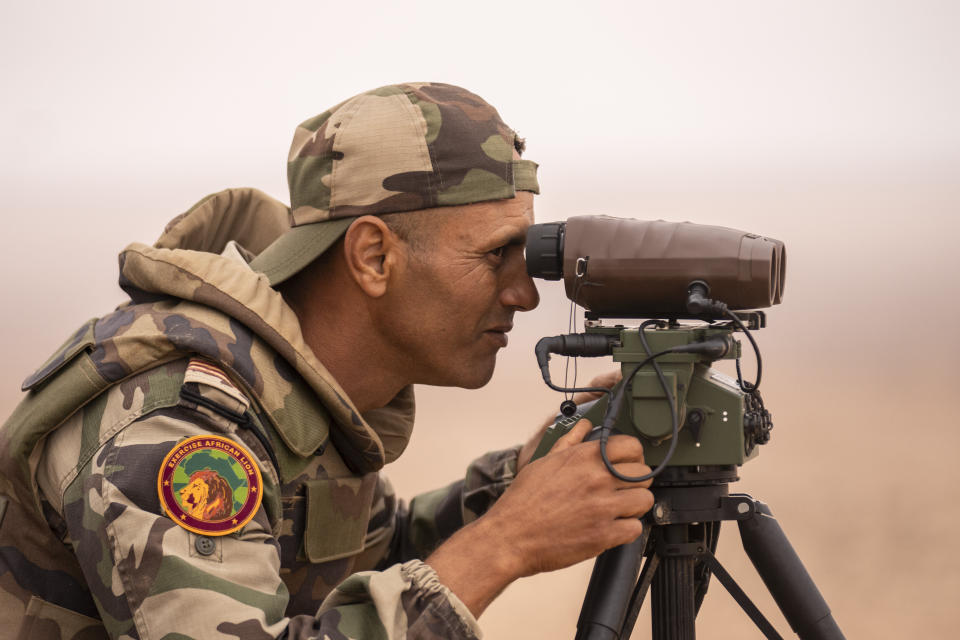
x,y
338,332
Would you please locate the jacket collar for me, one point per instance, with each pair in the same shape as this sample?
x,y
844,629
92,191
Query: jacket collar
x,y
196,272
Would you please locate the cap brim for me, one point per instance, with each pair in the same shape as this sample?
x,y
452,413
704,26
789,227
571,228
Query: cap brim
x,y
298,247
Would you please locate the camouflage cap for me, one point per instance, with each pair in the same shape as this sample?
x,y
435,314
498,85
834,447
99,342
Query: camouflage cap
x,y
398,148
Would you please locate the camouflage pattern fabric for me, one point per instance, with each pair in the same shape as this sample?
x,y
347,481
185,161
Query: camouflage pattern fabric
x,y
398,148
149,578
401,148
87,552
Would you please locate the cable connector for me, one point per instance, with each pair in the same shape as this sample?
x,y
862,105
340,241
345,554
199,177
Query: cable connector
x,y
587,345
713,348
699,304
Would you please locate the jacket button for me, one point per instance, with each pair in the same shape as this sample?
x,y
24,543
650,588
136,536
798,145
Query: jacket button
x,y
205,546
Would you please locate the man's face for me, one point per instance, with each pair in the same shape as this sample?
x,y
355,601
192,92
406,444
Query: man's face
x,y
454,300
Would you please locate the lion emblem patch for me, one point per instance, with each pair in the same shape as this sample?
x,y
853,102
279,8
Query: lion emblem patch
x,y
210,485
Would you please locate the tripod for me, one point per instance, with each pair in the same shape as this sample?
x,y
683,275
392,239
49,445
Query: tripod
x,y
679,540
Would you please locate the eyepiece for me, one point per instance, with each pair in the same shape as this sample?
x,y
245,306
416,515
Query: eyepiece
x,y
545,250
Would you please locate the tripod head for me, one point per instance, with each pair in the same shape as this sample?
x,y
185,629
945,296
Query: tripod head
x,y
684,412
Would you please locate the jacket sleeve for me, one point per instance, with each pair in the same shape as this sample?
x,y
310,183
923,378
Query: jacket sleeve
x,y
153,579
434,516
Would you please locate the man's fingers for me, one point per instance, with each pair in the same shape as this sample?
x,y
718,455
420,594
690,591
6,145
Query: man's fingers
x,y
624,449
624,531
606,380
574,436
633,502
634,470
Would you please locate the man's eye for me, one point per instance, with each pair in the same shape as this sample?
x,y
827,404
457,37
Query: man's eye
x,y
499,251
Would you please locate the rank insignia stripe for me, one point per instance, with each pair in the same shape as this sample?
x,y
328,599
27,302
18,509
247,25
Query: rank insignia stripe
x,y
205,373
210,485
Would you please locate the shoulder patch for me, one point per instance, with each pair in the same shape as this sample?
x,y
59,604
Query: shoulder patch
x,y
210,485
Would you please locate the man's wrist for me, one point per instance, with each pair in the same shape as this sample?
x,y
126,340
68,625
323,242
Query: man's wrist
x,y
476,565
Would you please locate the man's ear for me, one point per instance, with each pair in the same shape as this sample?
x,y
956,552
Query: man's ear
x,y
371,252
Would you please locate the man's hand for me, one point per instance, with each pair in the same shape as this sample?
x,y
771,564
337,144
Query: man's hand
x,y
561,509
605,380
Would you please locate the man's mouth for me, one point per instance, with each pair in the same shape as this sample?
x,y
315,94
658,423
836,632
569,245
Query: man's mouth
x,y
499,333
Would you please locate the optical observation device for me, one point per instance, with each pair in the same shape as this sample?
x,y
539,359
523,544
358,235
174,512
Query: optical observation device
x,y
694,287
696,284
640,268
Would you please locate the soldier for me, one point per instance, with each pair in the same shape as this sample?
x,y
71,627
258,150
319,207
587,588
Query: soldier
x,y
203,462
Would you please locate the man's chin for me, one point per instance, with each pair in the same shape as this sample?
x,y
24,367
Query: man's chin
x,y
472,382
474,378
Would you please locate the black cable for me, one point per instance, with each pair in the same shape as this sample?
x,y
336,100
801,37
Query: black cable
x,y
571,328
577,389
614,408
747,387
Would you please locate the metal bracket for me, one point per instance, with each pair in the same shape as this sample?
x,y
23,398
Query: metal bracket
x,y
674,549
736,506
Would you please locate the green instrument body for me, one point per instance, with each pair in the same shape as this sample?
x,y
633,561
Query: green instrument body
x,y
710,405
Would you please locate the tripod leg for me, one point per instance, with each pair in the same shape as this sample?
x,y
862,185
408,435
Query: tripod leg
x,y
745,602
672,603
608,595
639,594
785,576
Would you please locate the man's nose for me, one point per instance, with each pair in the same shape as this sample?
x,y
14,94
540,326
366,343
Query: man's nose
x,y
521,292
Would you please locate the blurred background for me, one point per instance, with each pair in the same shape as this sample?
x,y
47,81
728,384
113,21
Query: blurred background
x,y
832,126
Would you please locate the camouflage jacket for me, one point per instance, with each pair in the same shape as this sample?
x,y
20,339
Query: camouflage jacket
x,y
206,347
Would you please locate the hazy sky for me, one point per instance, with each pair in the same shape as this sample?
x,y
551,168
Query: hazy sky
x,y
830,125
107,90
116,116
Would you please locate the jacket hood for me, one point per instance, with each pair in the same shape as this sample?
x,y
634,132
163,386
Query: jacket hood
x,y
186,264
